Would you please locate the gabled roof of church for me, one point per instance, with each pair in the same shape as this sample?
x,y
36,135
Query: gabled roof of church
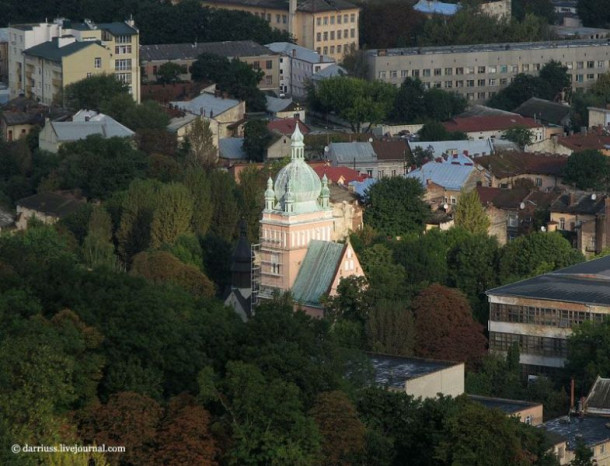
x,y
317,272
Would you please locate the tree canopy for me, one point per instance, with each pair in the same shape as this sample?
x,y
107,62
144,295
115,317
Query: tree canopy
x,y
587,169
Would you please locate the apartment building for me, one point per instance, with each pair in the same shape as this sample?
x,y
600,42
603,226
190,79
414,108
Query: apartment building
x,y
539,313
297,67
257,56
44,58
479,71
328,27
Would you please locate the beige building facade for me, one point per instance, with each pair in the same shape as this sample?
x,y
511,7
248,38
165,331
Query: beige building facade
x,y
478,72
328,28
44,58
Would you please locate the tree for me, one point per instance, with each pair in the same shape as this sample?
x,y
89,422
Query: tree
x,y
583,454
409,104
357,101
556,75
587,169
185,434
470,214
224,200
435,131
202,151
92,92
520,135
588,353
198,183
394,206
541,8
257,138
445,328
534,254
522,88
342,432
173,214
99,166
98,249
390,329
170,72
442,105
594,13
390,24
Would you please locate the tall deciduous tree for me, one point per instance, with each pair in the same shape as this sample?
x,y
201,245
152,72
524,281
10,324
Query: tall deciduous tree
x,y
98,249
256,140
390,328
520,135
469,213
173,214
199,184
394,206
92,92
202,151
343,434
587,169
445,328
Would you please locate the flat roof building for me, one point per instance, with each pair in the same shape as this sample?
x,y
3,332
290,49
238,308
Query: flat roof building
x,y
478,72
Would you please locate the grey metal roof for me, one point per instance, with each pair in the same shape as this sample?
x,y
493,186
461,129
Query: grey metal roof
x,y
317,272
276,104
178,122
300,53
207,105
101,124
592,430
394,371
587,283
118,29
50,50
478,48
330,72
232,149
598,400
544,110
348,152
474,148
451,173
229,49
51,203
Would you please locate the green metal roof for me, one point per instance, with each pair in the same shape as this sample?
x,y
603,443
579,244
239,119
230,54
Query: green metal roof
x,y
317,272
50,51
118,29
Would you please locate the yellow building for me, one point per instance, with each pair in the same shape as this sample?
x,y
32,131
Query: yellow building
x,y
329,28
44,58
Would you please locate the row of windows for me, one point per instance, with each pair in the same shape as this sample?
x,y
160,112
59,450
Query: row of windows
x,y
326,34
122,65
326,20
541,316
122,49
529,344
268,65
339,49
495,69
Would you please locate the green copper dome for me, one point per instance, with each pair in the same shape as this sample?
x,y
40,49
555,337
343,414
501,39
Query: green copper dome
x,y
304,182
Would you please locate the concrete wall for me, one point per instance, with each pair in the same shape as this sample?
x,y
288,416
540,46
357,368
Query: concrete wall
x,y
448,381
598,117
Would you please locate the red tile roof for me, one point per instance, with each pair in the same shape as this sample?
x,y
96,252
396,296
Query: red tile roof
x,y
580,141
334,174
507,164
286,126
489,123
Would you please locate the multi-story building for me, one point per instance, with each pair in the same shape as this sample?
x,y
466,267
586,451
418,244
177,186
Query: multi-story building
x,y
297,67
328,27
538,313
257,56
478,72
44,58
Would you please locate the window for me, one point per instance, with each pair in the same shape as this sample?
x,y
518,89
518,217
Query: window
x,y
345,18
480,82
569,65
277,18
470,83
332,35
380,174
268,64
404,73
579,78
459,84
339,19
426,73
579,65
481,96
155,69
98,64
369,173
325,35
393,172
339,34
437,84
528,420
590,64
492,69
492,82
345,33
601,64
459,70
481,69
122,49
123,64
562,223
415,73
318,50
325,20
514,68
437,71
470,70
325,50
448,84
536,66
256,65
503,69
318,21
393,74
89,75
448,71
453,200
503,81
268,80
284,19
352,33
538,182
124,77
352,18
382,75
332,50
332,20
318,36
269,17
525,67
123,39
339,48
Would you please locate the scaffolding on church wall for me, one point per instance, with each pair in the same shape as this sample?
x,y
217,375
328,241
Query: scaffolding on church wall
x,y
255,276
